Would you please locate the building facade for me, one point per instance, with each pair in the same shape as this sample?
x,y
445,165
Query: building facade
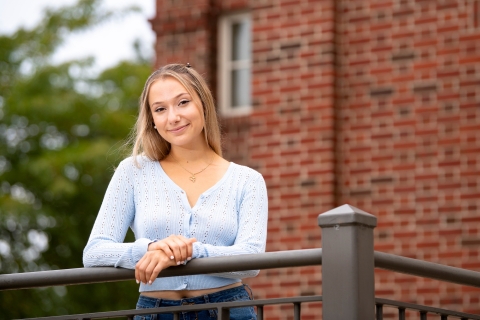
x,y
373,103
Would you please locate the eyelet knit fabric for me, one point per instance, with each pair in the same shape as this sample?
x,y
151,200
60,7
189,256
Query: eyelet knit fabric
x,y
230,218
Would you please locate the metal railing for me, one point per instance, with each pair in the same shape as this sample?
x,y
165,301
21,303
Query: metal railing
x,y
269,260
422,311
347,258
221,308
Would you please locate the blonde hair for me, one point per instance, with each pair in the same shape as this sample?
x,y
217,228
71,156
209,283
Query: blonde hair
x,y
146,140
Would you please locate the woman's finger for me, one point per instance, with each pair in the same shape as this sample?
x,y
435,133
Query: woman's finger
x,y
151,264
177,247
190,248
137,273
140,268
162,245
149,270
163,264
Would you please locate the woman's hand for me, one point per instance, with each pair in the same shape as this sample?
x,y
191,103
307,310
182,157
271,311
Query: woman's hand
x,y
175,247
171,251
152,262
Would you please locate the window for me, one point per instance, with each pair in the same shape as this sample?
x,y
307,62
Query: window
x,y
234,75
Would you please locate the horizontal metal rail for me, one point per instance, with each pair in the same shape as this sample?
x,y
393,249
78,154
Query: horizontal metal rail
x,y
402,306
380,303
426,269
219,306
268,260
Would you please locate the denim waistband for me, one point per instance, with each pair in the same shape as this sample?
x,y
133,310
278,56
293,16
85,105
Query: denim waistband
x,y
207,298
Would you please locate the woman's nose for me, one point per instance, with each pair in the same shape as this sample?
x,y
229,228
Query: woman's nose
x,y
173,115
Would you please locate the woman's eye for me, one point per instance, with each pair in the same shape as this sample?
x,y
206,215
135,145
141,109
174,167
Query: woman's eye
x,y
183,102
159,109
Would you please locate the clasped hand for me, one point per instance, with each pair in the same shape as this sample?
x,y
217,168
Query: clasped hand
x,y
171,251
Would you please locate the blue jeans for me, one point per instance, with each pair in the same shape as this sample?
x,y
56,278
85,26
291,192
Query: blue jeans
x,y
234,294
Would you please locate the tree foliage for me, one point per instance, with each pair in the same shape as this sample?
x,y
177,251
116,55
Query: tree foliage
x,y
61,135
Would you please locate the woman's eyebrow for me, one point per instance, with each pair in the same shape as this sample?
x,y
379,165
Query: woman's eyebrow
x,y
176,97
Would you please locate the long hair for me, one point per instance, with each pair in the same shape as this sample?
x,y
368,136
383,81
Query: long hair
x,y
146,140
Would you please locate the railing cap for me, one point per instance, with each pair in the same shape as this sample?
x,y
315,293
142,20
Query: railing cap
x,y
346,214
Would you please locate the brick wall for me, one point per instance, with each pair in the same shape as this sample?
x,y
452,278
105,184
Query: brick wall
x,y
409,136
371,103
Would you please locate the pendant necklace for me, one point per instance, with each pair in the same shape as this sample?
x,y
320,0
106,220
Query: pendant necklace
x,y
193,175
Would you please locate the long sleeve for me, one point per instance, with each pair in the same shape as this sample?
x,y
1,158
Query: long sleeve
x,y
105,246
252,228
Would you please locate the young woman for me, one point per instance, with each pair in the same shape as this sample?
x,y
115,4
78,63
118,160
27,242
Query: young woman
x,y
181,199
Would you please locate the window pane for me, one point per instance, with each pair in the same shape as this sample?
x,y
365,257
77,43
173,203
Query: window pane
x,y
240,87
241,40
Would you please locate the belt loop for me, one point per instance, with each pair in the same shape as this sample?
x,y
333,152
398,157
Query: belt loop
x,y
158,303
249,291
211,312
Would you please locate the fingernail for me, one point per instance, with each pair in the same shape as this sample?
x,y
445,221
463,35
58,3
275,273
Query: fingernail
x,y
189,258
137,281
178,263
171,257
150,282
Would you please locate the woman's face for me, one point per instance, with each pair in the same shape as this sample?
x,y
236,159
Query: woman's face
x,y
179,120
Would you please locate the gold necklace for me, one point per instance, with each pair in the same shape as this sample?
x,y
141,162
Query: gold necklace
x,y
193,178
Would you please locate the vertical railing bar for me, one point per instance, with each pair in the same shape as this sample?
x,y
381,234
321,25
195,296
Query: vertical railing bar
x,y
444,317
423,315
176,316
223,313
379,311
259,312
130,317
296,311
401,313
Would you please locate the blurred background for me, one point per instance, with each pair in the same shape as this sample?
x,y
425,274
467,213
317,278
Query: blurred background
x,y
70,76
108,41
372,103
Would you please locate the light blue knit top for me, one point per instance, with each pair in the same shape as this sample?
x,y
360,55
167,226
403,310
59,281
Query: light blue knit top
x,y
230,218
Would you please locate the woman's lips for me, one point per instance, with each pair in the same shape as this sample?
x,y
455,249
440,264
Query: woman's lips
x,y
179,129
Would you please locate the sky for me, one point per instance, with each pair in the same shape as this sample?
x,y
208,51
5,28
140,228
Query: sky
x,y
109,42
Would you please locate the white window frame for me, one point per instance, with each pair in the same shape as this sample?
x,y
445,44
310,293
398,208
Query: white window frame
x,y
225,65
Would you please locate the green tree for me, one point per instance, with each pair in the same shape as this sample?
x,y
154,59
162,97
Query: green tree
x,y
61,135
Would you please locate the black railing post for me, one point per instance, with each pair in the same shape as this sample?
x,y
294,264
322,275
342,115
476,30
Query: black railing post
x,y
348,282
